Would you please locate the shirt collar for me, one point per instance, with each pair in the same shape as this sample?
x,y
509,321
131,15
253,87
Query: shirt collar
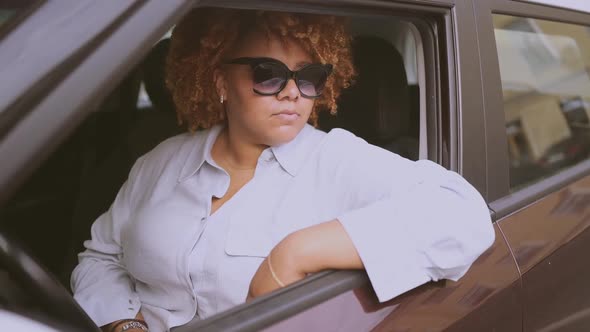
x,y
200,152
290,155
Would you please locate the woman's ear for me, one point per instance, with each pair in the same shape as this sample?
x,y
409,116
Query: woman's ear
x,y
220,83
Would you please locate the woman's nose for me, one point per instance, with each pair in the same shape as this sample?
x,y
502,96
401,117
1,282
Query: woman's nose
x,y
290,91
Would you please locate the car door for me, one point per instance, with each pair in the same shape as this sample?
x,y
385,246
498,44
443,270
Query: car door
x,y
536,59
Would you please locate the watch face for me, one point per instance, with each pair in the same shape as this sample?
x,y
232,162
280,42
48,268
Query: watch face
x,y
134,324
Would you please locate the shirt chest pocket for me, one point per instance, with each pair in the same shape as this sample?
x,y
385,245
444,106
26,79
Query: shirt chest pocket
x,y
249,236
256,233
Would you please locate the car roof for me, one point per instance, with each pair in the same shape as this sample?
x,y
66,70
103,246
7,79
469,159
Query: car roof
x,y
583,6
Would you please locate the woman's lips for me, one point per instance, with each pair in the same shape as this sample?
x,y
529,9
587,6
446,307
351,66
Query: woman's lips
x,y
287,115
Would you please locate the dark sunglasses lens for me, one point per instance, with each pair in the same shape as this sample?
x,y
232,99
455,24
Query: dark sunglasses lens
x,y
268,78
311,80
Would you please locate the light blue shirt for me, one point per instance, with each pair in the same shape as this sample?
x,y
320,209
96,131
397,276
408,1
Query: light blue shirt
x,y
158,247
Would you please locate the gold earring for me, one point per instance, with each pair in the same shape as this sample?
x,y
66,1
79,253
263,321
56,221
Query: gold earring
x,y
221,99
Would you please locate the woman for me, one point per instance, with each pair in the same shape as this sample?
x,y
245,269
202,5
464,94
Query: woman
x,y
259,198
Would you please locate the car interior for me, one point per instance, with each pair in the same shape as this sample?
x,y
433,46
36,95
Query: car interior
x,y
51,215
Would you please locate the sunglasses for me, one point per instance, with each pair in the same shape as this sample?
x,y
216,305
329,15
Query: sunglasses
x,y
270,76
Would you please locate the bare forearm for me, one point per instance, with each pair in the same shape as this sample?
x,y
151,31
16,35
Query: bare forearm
x,y
325,246
309,250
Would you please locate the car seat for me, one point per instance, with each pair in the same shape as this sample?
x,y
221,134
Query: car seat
x,y
149,127
377,107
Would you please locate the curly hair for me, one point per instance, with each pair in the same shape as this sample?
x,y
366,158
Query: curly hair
x,y
203,38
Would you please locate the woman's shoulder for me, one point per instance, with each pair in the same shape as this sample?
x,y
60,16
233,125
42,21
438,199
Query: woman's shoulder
x,y
341,141
337,134
344,146
172,152
175,144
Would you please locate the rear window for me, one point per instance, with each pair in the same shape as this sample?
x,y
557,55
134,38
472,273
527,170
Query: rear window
x,y
546,91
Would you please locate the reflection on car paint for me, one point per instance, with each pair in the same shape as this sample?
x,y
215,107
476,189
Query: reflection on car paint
x,y
549,239
544,226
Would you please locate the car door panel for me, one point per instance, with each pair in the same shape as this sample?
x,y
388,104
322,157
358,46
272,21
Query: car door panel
x,y
549,239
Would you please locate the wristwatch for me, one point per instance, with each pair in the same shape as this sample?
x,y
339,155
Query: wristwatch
x,y
134,324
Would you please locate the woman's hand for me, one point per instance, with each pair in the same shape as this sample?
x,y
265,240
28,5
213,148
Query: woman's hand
x,y
286,265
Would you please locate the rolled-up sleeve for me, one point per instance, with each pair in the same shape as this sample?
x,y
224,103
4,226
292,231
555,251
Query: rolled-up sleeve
x,y
100,282
415,221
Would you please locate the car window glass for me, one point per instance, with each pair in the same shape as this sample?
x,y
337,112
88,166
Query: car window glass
x,y
546,91
145,101
6,14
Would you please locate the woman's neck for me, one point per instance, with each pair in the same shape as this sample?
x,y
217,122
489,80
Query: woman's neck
x,y
236,152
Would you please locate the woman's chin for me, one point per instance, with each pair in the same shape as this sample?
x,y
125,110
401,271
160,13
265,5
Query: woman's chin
x,y
284,134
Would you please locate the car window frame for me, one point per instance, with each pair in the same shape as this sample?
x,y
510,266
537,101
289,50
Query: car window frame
x,y
15,103
502,201
440,77
62,101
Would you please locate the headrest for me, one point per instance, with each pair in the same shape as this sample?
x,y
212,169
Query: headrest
x,y
377,106
154,77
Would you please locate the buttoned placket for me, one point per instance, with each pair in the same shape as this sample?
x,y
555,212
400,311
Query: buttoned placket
x,y
264,161
205,195
211,221
186,273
